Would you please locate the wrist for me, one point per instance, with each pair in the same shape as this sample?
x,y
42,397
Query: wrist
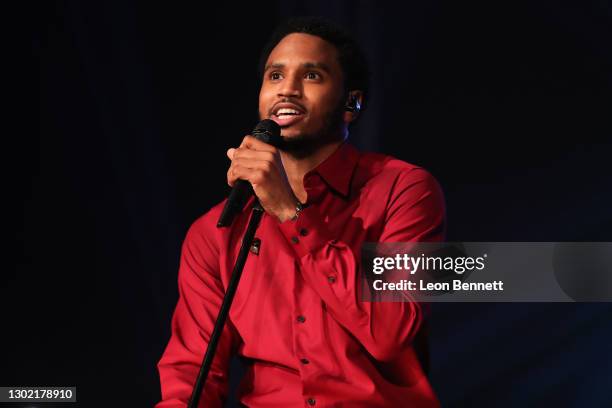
x,y
298,209
292,211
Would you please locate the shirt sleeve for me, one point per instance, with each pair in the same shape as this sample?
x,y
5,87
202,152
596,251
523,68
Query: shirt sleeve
x,y
200,296
415,212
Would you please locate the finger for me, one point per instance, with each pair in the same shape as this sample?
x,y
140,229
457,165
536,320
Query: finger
x,y
251,142
230,153
253,164
257,173
231,179
237,172
245,153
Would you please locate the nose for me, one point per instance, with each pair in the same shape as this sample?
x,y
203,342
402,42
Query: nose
x,y
291,86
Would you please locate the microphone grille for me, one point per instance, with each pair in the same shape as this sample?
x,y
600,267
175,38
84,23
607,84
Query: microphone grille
x,y
268,131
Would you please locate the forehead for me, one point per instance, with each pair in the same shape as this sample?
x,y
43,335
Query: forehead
x,y
300,48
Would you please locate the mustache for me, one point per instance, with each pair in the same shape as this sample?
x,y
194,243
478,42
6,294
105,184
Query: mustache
x,y
286,100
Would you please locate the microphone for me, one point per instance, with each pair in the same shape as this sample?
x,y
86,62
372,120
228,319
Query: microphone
x,y
268,131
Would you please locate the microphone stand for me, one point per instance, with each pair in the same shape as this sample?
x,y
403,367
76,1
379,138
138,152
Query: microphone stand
x,y
247,241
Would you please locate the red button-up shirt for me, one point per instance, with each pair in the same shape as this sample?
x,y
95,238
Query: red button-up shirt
x,y
297,318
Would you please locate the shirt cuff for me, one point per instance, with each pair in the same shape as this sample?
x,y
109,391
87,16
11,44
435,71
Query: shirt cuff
x,y
308,233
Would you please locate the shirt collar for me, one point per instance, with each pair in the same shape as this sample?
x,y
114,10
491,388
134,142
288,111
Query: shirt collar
x,y
337,170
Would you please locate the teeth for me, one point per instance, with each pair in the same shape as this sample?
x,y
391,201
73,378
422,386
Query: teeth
x,y
287,111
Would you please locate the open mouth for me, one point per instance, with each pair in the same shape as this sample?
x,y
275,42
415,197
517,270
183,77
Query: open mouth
x,y
286,115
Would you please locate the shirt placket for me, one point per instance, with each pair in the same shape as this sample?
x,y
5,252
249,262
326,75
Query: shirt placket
x,y
303,319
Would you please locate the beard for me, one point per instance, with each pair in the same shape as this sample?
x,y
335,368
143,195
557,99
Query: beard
x,y
304,144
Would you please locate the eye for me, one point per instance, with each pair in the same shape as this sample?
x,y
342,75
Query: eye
x,y
275,76
313,75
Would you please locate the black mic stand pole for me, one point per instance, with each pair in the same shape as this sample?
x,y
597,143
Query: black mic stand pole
x,y
247,241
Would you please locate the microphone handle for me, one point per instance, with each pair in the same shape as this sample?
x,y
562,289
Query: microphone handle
x,y
236,200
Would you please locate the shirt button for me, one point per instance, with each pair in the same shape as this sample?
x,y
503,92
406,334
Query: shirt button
x,y
303,232
331,279
311,401
301,319
295,240
304,361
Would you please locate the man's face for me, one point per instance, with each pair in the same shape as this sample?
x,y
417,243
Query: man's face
x,y
302,89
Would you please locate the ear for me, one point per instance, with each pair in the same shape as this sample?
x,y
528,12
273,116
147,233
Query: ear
x,y
353,105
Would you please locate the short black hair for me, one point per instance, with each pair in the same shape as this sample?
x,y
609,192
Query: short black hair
x,y
351,57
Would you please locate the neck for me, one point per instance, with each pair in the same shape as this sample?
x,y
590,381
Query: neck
x,y
296,166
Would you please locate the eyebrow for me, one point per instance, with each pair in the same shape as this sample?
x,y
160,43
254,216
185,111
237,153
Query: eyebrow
x,y
308,65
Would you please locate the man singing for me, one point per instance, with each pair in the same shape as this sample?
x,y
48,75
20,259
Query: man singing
x,y
297,319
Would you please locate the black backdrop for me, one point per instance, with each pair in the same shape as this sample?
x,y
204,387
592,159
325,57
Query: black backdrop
x,y
132,106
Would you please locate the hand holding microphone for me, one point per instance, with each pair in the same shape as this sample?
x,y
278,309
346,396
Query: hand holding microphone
x,y
257,167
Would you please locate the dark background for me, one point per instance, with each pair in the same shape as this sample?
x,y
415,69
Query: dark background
x,y
130,107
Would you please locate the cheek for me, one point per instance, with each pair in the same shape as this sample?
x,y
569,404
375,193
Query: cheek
x,y
332,99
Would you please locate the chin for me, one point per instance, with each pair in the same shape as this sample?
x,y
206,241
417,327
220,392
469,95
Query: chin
x,y
293,134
